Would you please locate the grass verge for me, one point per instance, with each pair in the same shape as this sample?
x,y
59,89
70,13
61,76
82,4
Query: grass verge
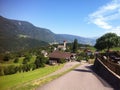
x,y
37,83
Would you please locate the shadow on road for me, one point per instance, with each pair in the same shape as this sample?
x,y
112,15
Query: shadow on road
x,y
90,69
82,70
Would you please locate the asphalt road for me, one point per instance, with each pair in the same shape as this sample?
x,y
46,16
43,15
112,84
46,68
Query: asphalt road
x,y
81,78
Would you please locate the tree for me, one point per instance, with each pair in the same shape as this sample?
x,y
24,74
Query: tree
x,y
26,59
107,41
40,61
75,46
6,57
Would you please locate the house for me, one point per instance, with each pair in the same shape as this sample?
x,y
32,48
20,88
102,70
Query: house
x,y
88,52
56,56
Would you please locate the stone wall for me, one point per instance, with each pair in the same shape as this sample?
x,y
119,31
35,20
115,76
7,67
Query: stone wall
x,y
104,72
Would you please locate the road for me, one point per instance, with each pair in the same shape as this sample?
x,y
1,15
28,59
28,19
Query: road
x,y
81,78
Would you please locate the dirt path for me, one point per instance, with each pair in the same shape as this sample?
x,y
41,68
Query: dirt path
x,y
81,78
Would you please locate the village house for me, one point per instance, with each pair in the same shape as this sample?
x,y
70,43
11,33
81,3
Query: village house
x,y
88,52
56,56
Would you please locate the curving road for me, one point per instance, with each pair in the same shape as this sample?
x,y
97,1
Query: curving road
x,y
81,78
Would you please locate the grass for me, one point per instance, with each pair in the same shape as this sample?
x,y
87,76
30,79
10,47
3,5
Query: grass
x,y
11,81
116,49
11,62
37,83
92,49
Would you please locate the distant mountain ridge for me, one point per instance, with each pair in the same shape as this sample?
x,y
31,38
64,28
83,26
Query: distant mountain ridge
x,y
15,32
82,40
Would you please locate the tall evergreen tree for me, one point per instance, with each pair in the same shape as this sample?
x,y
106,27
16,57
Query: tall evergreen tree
x,y
75,46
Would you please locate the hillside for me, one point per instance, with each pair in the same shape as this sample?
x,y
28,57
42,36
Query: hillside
x,y
16,35
82,40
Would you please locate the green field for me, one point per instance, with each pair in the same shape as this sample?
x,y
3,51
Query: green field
x,y
11,81
116,49
11,62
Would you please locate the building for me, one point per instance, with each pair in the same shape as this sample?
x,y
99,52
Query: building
x,y
56,56
62,47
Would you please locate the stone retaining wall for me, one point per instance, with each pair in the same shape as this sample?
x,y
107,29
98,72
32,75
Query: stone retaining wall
x,y
104,72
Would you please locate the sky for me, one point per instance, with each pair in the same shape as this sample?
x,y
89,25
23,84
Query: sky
x,y
86,18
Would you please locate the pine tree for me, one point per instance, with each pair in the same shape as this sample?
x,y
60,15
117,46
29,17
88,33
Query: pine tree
x,y
75,46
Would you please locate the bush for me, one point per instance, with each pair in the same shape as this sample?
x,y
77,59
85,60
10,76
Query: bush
x,y
62,61
10,70
16,60
87,58
33,66
20,68
1,71
40,61
26,59
79,58
92,56
83,54
26,67
6,58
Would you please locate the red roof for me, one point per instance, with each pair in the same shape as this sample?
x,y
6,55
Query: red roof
x,y
58,54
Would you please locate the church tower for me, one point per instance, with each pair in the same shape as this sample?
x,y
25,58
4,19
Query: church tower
x,y
64,42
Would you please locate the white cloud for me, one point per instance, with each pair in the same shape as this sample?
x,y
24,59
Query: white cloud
x,y
105,17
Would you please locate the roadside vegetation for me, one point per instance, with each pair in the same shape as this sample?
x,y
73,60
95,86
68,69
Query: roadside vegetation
x,y
19,79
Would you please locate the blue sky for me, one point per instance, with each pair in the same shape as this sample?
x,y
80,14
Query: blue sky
x,y
87,18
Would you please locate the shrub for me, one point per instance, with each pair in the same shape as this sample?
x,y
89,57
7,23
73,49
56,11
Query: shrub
x,y
10,70
16,60
87,58
20,68
6,58
32,66
79,58
26,67
1,71
40,61
92,56
62,61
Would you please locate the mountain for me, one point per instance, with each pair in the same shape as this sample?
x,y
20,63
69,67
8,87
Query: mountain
x,y
82,40
17,35
15,27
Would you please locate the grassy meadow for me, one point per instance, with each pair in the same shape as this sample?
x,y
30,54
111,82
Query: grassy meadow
x,y
12,81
